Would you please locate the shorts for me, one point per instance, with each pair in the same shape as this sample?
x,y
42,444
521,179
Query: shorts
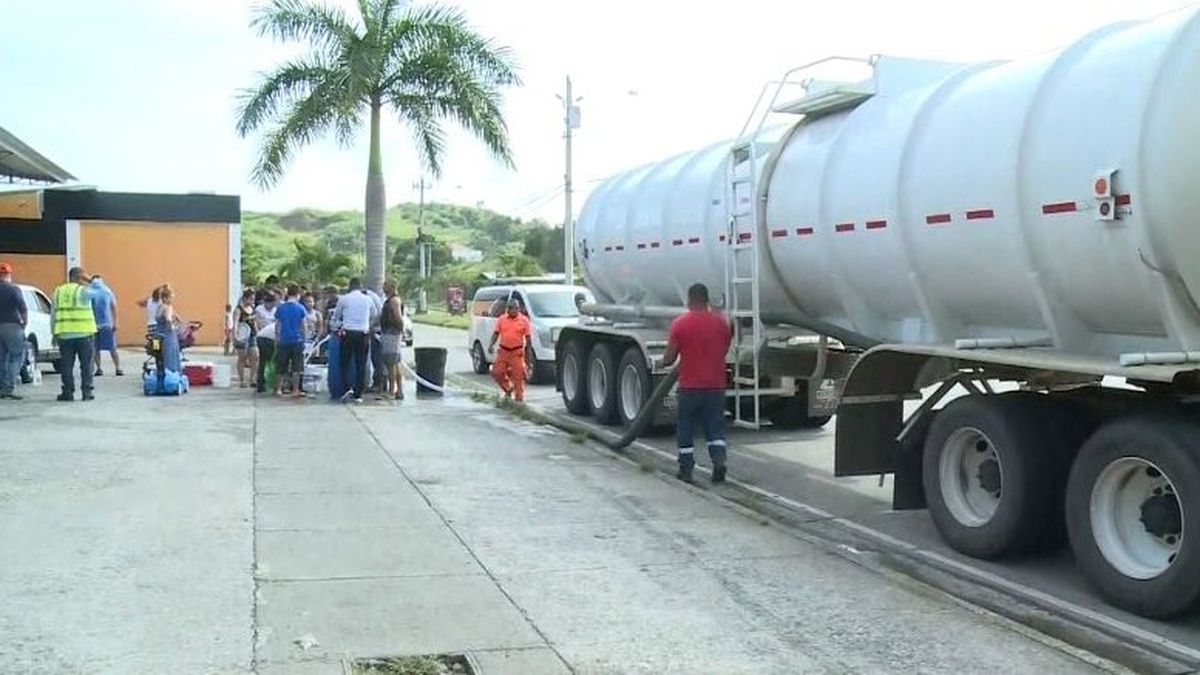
x,y
106,339
391,348
289,358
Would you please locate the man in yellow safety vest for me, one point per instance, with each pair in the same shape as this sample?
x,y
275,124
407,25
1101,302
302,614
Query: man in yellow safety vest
x,y
74,332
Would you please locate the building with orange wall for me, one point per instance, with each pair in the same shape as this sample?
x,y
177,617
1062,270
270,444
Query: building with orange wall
x,y
135,242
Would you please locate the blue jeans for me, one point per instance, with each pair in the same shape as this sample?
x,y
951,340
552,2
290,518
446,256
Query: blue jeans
x,y
84,349
12,354
705,407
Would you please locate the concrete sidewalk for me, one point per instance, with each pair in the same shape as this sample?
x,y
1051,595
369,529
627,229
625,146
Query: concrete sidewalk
x,y
223,533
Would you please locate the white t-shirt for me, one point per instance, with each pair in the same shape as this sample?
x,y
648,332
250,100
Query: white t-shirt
x,y
266,322
356,309
151,311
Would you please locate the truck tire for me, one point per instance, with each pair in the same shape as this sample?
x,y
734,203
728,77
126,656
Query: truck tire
x,y
29,361
479,359
602,383
990,470
633,385
572,372
1133,490
791,412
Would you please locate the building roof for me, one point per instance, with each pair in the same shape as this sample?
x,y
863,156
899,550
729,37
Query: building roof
x,y
18,160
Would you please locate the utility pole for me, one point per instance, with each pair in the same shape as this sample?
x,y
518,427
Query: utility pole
x,y
424,254
570,121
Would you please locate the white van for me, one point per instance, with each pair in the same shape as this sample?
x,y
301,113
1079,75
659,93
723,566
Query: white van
x,y
549,308
39,346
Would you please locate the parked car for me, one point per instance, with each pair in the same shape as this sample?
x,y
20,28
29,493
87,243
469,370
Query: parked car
x,y
549,308
408,328
39,343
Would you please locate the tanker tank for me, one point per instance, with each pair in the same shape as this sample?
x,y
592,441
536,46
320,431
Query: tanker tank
x,y
1048,200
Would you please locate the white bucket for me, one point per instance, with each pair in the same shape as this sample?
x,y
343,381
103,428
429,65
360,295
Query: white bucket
x,y
315,379
222,375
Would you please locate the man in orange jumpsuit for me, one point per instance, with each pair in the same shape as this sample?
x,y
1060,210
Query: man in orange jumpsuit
x,y
514,333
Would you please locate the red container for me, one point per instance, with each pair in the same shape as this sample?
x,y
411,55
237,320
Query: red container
x,y
198,373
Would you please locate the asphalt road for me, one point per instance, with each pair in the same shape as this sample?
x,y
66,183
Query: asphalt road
x,y
799,465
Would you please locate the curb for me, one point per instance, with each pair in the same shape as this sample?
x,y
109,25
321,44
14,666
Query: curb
x,y
1111,640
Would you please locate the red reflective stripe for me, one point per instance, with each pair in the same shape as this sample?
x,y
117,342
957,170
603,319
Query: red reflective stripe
x,y
980,214
677,242
937,218
654,244
1124,200
694,240
804,230
844,227
876,224
744,236
778,233
1058,207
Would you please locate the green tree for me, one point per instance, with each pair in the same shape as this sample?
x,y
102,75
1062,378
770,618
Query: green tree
x,y
423,64
314,264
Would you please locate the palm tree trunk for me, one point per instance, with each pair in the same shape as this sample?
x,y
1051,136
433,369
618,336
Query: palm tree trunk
x,y
375,207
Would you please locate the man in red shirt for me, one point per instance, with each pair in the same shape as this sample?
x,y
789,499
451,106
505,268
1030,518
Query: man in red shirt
x,y
514,333
700,340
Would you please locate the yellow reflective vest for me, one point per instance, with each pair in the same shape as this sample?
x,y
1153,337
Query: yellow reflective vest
x,y
73,310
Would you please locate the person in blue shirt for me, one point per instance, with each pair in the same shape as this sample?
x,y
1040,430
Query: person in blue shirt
x,y
104,308
291,325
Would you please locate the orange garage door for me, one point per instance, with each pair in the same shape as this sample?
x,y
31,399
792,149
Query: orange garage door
x,y
133,258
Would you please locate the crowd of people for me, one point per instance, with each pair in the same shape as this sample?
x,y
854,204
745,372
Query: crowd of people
x,y
285,324
275,327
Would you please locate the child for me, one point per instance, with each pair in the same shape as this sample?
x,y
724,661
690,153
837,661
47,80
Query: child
x,y
228,329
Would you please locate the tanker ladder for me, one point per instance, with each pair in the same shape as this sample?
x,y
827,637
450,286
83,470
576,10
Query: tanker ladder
x,y
744,203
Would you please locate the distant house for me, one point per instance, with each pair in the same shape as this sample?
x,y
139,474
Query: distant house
x,y
462,253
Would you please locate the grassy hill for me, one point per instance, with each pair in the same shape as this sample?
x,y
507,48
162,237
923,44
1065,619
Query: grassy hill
x,y
274,243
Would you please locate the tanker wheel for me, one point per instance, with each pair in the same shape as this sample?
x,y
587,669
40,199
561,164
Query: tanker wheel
x,y
573,378
791,412
990,470
602,383
633,385
1133,492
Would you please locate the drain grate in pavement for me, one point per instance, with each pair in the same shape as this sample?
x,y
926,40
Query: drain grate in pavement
x,y
434,664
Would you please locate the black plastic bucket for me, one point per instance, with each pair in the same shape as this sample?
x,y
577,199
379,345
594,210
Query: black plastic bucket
x,y
431,367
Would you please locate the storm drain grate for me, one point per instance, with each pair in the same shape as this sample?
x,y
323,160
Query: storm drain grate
x,y
432,664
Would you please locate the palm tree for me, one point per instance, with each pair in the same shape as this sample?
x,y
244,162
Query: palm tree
x,y
423,64
315,264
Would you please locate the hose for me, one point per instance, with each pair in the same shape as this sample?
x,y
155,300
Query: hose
x,y
644,416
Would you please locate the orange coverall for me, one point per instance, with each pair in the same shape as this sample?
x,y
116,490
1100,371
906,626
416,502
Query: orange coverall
x,y
509,368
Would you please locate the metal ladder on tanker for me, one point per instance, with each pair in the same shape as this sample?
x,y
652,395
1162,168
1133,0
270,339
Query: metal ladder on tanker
x,y
743,241
742,297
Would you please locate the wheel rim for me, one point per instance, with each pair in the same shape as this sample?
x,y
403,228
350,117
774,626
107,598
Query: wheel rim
x,y
30,356
971,477
477,357
570,377
631,392
530,364
1137,519
598,383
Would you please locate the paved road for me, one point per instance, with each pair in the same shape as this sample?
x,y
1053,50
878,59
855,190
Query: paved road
x,y
226,533
799,465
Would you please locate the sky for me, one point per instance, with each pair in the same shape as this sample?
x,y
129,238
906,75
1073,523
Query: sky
x,y
141,95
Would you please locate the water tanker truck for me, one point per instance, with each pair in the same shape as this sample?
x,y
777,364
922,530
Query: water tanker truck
x,y
1026,232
